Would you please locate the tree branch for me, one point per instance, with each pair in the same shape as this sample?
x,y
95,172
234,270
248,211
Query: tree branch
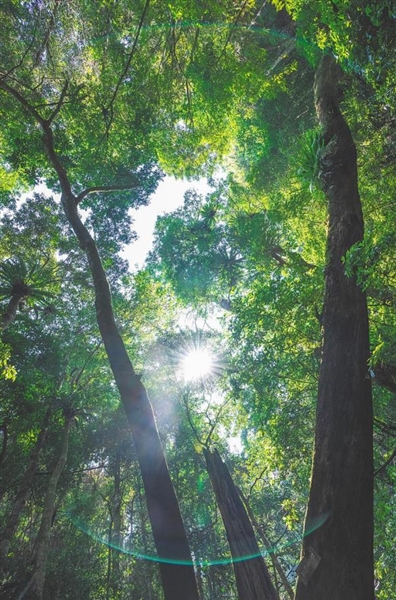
x,y
59,103
48,137
10,90
106,188
382,468
109,108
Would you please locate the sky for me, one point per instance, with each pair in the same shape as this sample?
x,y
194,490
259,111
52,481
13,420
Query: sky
x,y
168,197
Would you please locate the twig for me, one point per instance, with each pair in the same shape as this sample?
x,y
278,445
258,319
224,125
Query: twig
x,y
109,108
59,103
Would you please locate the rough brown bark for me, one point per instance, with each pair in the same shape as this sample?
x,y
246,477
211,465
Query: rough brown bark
x,y
20,498
251,574
341,492
35,586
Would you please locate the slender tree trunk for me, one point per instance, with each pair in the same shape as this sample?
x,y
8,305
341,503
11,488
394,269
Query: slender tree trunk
x,y
177,572
116,526
3,457
251,574
35,587
274,559
338,540
20,499
178,577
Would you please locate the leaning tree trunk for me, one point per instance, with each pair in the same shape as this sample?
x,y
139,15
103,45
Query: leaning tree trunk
x,y
338,540
35,586
20,499
175,562
251,574
177,572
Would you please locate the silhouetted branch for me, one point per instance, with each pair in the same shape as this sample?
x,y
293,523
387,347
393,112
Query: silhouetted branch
x,y
106,188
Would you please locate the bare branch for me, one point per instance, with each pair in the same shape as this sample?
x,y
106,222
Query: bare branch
x,y
48,138
106,188
20,63
59,104
190,421
235,23
109,108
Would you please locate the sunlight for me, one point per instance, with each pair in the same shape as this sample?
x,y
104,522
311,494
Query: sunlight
x,y
197,364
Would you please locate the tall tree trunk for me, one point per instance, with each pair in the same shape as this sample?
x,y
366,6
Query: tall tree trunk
x,y
178,577
170,538
20,499
176,568
251,574
35,586
115,529
4,445
338,554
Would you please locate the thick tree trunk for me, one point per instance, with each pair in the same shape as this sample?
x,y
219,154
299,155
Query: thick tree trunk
x,y
251,574
20,499
338,554
35,587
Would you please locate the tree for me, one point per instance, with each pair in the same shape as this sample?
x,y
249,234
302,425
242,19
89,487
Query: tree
x,y
35,586
338,556
115,91
24,285
252,577
168,531
20,498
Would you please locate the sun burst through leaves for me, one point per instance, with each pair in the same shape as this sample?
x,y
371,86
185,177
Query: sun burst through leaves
x,y
197,364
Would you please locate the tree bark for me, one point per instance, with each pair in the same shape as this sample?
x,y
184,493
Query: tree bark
x,y
338,539
11,311
35,586
20,499
251,574
115,529
4,445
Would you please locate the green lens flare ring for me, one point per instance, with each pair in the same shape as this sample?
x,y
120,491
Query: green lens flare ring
x,y
82,526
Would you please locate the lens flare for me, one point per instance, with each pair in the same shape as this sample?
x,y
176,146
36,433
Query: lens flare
x,y
198,562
